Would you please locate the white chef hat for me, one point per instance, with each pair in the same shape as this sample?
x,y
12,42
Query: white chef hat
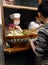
x,y
15,15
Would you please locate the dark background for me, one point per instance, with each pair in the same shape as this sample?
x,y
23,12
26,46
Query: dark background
x,y
26,16
31,3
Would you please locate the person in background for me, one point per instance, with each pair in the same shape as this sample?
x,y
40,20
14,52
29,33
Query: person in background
x,y
36,23
40,46
13,28
16,20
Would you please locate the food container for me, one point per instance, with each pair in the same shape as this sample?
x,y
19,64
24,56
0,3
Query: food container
x,y
21,40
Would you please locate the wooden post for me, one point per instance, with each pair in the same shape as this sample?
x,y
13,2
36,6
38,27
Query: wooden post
x,y
1,38
3,25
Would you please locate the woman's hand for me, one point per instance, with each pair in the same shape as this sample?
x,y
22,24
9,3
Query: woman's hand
x,y
19,28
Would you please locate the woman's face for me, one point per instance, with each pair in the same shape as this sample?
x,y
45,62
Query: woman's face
x,y
16,21
41,17
37,19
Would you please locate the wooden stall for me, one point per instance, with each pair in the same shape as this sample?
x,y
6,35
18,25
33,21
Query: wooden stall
x,y
27,15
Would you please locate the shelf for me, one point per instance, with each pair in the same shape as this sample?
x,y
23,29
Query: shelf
x,y
23,36
17,48
20,7
21,47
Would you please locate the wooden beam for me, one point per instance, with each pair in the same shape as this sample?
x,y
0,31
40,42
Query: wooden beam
x,y
20,7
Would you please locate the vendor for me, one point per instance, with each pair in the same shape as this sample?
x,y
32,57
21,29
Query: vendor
x,y
16,20
36,23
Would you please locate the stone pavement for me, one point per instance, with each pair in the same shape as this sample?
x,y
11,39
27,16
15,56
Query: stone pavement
x,y
1,48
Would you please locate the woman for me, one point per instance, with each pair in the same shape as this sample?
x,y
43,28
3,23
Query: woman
x,y
35,24
40,46
16,20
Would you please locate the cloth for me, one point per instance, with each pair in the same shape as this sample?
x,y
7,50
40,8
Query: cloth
x,y
33,25
15,15
42,44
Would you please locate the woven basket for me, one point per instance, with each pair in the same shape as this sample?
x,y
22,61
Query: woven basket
x,y
20,42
